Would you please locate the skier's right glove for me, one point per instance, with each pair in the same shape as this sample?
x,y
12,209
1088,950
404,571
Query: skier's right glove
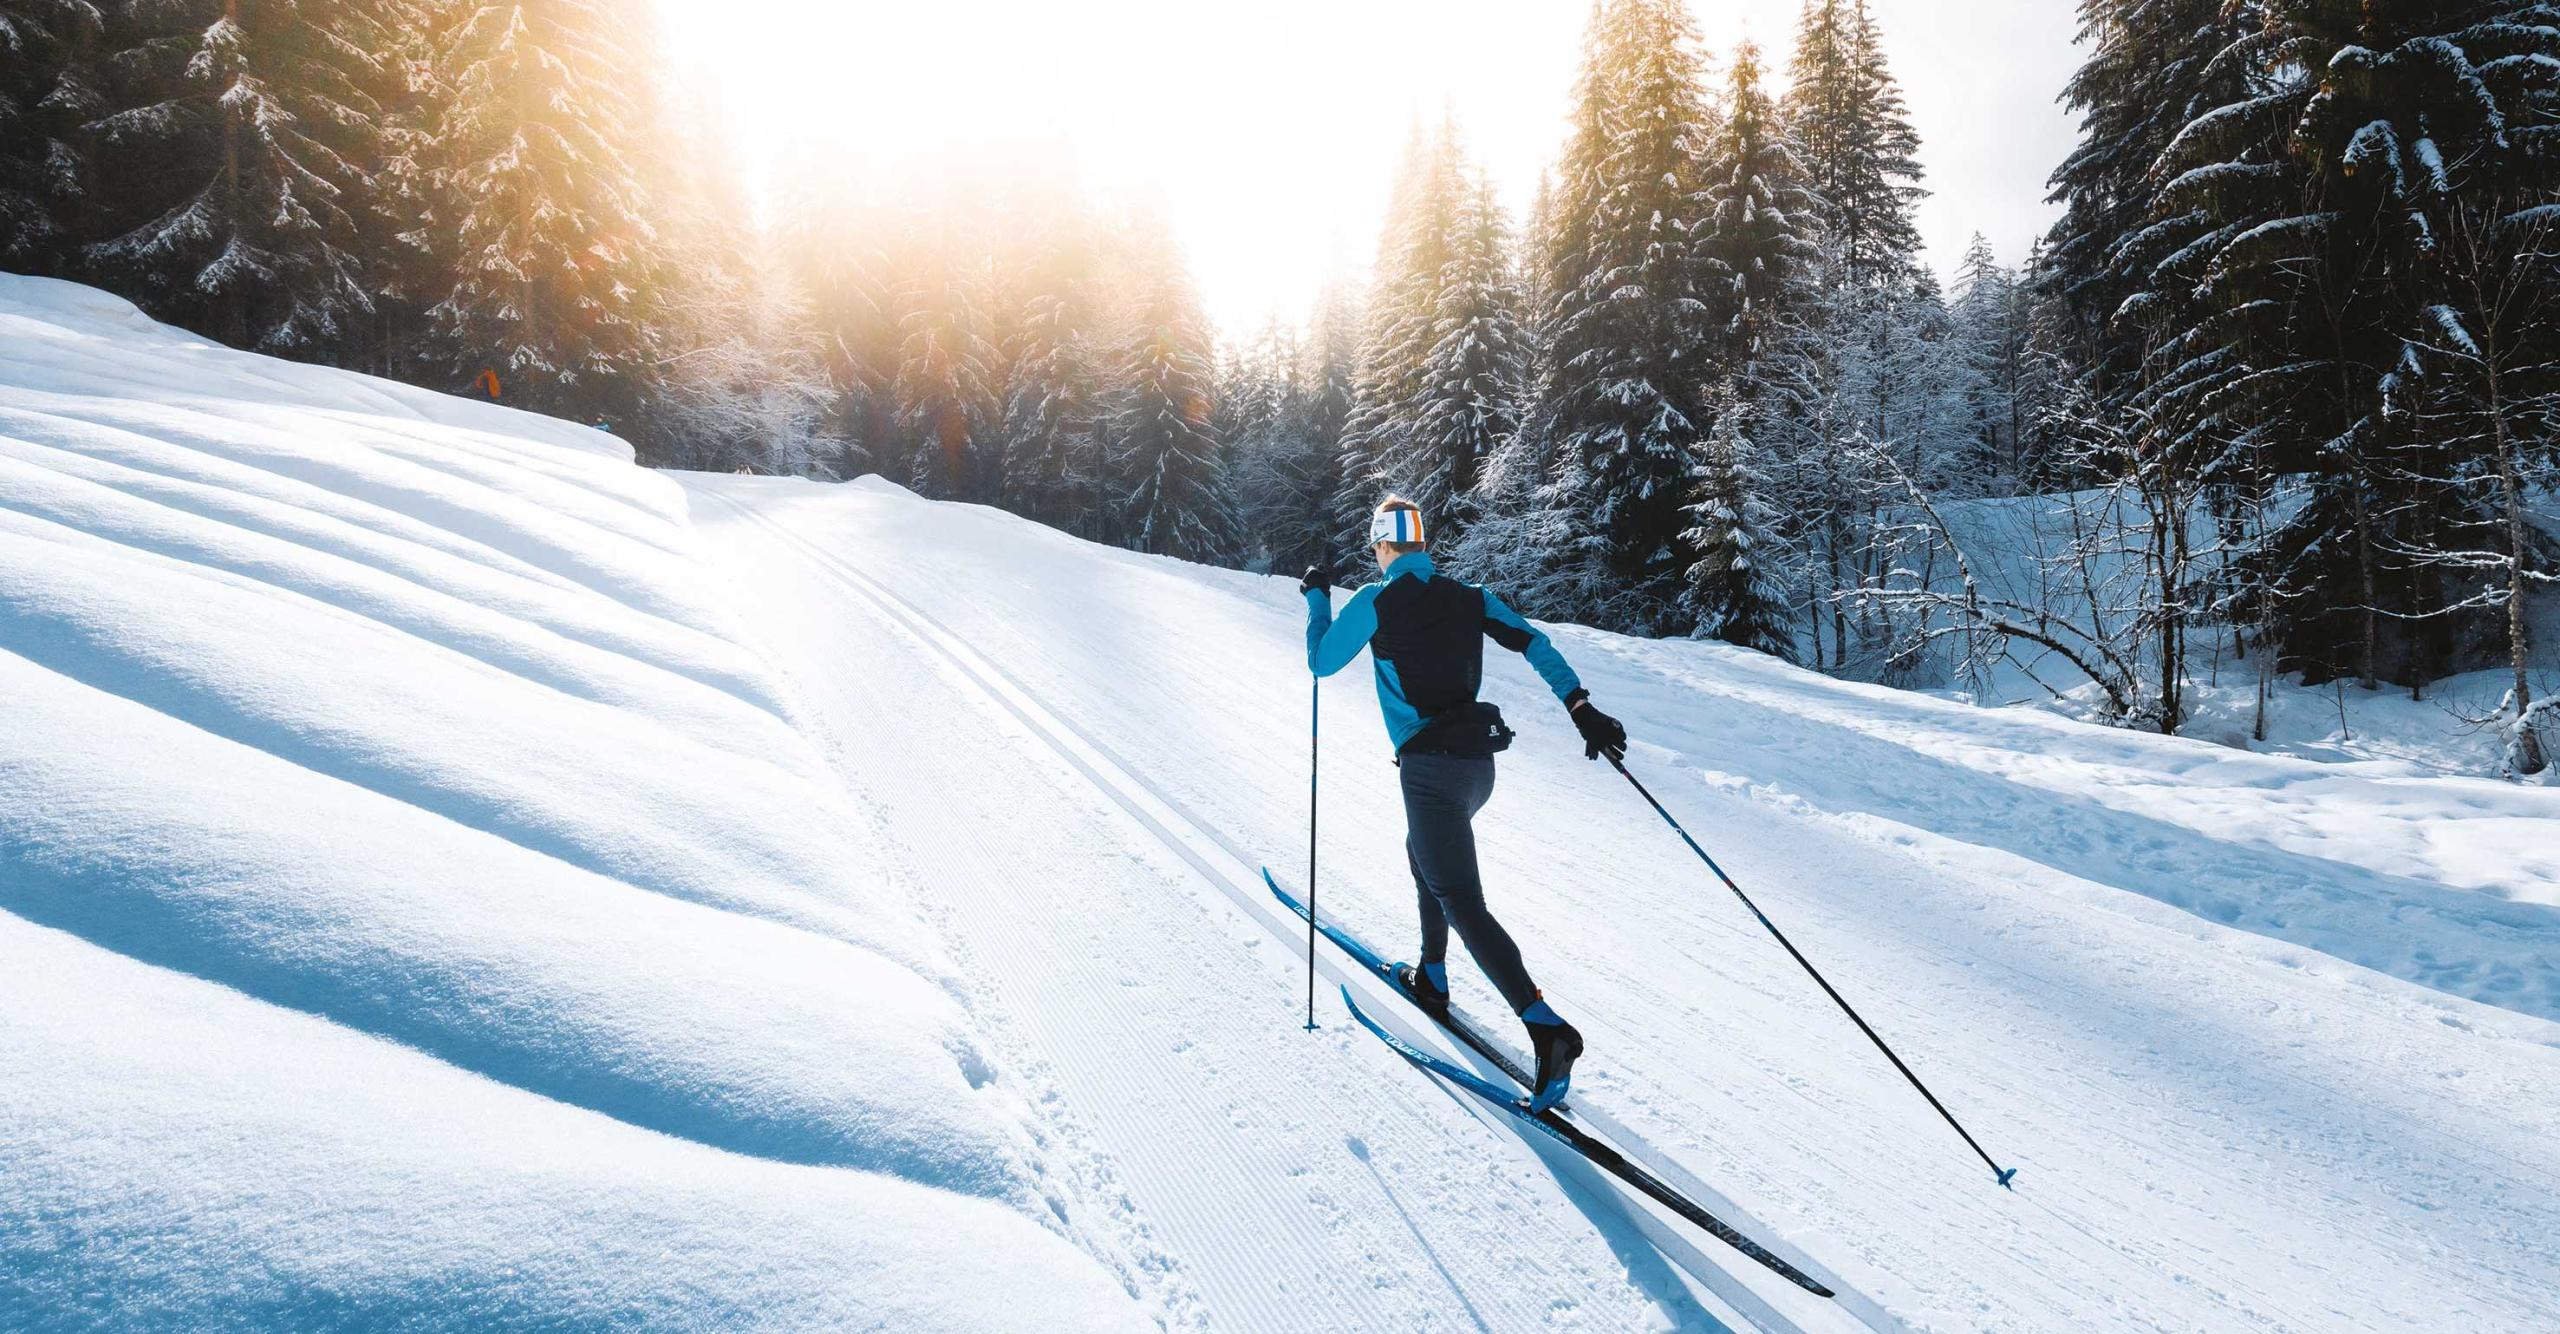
x,y
1601,734
1318,580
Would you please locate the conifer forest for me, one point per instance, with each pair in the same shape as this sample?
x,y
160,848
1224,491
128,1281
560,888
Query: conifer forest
x,y
2284,377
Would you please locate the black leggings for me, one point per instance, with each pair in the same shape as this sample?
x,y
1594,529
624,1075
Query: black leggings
x,y
1442,794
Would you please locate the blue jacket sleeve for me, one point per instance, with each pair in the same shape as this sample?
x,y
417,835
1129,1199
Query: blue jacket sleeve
x,y
1505,627
1332,643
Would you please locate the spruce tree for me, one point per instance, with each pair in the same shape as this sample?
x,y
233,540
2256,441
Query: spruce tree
x,y
1323,391
234,163
539,216
2154,67
1414,249
1053,398
1737,589
1988,348
2329,192
48,90
1164,447
1845,110
1620,406
1760,238
839,255
1468,400
946,384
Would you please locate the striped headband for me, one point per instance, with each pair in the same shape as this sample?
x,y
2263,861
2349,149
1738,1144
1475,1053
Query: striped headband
x,y
1402,527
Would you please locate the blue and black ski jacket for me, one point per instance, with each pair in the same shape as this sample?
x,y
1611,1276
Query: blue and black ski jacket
x,y
1425,634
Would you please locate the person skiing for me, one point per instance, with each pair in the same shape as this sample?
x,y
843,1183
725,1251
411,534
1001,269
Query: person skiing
x,y
1425,634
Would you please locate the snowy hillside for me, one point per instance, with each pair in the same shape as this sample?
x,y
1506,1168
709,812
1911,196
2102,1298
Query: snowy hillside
x,y
449,877
416,903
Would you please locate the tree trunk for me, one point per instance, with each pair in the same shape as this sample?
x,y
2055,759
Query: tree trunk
x,y
2530,759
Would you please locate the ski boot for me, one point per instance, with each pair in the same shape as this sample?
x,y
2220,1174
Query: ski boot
x,y
1557,1045
1427,985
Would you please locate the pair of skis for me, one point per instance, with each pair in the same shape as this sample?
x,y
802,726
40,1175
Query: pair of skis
x,y
1551,1122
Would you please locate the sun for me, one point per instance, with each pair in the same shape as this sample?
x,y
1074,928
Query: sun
x,y
1265,135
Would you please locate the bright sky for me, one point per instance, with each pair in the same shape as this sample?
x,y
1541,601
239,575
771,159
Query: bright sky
x,y
1265,132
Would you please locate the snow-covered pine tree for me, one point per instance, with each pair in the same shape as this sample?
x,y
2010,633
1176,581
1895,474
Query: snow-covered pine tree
x,y
2481,377
2178,159
2154,67
1321,392
2484,452
1256,392
1875,372
741,386
394,217
1468,401
1845,112
48,90
1738,588
232,166
1987,344
1759,242
947,380
1053,398
1414,249
540,221
1164,448
840,255
2330,188
1620,403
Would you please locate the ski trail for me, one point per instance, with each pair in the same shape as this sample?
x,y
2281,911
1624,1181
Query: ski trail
x,y
1343,1205
2219,1131
1214,859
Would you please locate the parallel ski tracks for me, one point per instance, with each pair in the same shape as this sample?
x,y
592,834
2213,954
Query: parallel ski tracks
x,y
1231,869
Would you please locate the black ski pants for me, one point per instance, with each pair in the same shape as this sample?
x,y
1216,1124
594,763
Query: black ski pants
x,y
1442,794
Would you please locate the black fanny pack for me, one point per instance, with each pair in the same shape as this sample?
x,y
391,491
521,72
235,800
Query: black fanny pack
x,y
1473,731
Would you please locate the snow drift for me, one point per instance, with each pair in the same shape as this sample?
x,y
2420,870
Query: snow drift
x,y
415,904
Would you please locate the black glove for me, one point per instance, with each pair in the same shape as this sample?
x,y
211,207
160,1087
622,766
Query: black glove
x,y
1318,580
1601,734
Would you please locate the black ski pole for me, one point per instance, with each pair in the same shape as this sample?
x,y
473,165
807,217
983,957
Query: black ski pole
x,y
1315,768
2003,1174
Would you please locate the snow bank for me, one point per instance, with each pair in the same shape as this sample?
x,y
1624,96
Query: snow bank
x,y
415,905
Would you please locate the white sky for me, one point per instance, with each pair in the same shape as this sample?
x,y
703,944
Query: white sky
x,y
1266,133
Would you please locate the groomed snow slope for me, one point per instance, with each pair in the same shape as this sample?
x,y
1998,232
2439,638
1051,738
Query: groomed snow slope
x,y
2273,1041
452,878
417,908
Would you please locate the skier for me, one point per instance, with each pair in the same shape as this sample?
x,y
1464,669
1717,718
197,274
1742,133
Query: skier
x,y
1425,633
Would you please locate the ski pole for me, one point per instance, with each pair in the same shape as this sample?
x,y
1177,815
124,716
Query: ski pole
x,y
1315,769
2003,1174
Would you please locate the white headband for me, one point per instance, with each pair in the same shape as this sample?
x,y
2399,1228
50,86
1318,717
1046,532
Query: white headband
x,y
1402,527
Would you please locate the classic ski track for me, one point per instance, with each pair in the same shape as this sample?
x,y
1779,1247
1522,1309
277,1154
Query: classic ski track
x,y
1227,1258
1239,881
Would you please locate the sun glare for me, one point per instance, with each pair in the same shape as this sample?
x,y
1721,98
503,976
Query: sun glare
x,y
1265,134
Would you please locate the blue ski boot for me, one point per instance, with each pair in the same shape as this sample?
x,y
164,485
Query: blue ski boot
x,y
1427,985
1557,1046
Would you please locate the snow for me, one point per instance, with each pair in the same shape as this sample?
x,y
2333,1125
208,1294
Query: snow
x,y
420,906
452,878
2272,1042
2018,548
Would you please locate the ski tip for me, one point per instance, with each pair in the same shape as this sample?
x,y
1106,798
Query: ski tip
x,y
2007,1175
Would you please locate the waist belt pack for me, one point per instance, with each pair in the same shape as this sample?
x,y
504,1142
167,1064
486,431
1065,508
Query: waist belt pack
x,y
1472,731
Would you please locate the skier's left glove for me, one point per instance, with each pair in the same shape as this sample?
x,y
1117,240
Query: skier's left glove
x,y
1601,734
1319,580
